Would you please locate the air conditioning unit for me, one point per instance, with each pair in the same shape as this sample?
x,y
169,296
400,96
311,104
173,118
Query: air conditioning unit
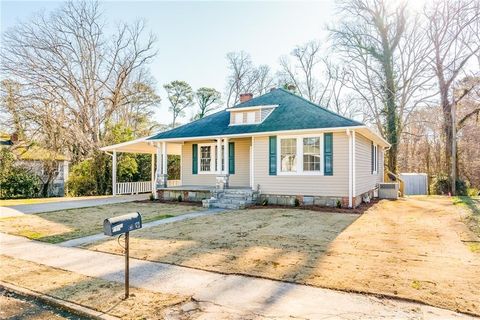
x,y
388,190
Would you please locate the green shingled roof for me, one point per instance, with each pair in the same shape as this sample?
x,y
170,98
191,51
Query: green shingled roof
x,y
293,113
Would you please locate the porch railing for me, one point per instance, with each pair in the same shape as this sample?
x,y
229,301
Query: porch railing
x,y
134,187
141,186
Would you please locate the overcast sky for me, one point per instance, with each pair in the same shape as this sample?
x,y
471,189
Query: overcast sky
x,y
194,37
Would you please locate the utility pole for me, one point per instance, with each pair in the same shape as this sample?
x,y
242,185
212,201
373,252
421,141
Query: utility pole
x,y
454,144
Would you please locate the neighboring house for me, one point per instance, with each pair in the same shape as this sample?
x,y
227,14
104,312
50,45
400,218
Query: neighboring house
x,y
277,147
33,158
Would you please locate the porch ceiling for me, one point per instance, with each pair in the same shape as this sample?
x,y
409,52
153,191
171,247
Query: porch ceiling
x,y
142,146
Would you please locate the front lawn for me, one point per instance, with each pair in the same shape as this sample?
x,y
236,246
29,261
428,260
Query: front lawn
x,y
59,226
411,248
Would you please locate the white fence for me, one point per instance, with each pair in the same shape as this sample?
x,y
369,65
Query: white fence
x,y
141,186
134,187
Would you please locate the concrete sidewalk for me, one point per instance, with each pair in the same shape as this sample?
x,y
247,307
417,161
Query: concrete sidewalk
x,y
244,295
10,211
100,236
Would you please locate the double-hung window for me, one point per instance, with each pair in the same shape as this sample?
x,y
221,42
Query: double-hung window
x,y
374,158
311,154
302,155
206,160
288,155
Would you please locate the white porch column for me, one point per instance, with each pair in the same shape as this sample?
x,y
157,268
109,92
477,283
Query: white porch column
x,y
114,173
218,158
164,158
152,173
158,171
225,156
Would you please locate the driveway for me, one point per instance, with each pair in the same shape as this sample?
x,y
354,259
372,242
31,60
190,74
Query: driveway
x,y
248,297
61,204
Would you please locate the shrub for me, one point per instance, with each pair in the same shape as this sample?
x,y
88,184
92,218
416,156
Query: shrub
x,y
81,180
297,202
20,183
339,204
472,192
179,198
152,197
441,184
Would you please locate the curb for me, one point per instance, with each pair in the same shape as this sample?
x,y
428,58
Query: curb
x,y
66,305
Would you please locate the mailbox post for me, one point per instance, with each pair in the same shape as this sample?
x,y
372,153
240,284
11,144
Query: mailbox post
x,y
123,225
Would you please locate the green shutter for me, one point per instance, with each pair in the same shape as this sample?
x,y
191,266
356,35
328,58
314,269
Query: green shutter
x,y
194,158
272,156
231,157
328,154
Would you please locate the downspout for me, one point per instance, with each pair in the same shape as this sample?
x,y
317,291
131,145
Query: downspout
x,y
350,191
354,165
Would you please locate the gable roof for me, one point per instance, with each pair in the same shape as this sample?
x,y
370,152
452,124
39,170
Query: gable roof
x,y
293,113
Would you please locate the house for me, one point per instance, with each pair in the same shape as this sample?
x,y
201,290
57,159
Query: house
x,y
277,147
33,158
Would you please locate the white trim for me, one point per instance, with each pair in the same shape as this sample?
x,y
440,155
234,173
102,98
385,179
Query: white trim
x,y
267,106
299,155
212,159
152,174
263,133
114,173
226,165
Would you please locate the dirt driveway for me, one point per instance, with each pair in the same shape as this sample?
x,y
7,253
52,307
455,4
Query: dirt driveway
x,y
410,248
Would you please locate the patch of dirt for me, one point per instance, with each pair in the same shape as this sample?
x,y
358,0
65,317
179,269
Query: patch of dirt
x,y
410,248
64,225
101,295
13,306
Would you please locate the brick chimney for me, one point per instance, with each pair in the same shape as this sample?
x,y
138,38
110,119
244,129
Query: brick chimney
x,y
244,97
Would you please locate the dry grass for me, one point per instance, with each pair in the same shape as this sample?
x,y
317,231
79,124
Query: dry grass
x,y
410,248
64,225
101,295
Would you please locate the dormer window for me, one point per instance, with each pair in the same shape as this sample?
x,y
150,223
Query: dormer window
x,y
250,115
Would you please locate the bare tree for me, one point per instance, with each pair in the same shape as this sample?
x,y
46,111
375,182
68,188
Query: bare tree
x,y
245,77
386,59
208,100
66,60
180,95
301,73
453,33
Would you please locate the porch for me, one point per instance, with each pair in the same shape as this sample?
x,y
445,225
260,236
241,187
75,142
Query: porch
x,y
205,166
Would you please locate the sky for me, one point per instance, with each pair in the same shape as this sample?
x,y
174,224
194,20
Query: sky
x,y
194,37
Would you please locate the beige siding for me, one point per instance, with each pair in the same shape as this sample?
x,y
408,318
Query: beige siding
x,y
242,165
365,180
317,185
